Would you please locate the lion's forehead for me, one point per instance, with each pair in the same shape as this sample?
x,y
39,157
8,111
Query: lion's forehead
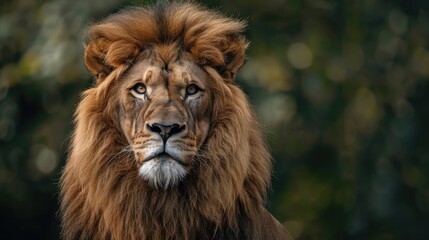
x,y
178,74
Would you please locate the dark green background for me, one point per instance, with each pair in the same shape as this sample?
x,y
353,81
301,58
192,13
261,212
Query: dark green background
x,y
341,88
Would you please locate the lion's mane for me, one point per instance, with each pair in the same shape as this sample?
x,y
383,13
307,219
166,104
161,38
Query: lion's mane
x,y
102,196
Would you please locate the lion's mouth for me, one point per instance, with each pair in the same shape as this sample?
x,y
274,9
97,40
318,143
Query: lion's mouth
x,y
162,158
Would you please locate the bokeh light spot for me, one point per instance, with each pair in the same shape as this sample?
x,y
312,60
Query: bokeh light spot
x,y
300,56
398,22
336,70
267,72
277,109
46,161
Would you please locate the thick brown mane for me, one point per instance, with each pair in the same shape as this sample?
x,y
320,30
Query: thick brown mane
x,y
102,196
212,39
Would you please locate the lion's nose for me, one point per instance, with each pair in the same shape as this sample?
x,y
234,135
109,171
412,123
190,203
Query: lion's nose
x,y
166,130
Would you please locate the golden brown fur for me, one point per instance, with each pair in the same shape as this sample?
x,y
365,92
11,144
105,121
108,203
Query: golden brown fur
x,y
222,196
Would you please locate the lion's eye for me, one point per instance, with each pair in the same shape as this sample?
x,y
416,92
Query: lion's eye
x,y
139,88
192,89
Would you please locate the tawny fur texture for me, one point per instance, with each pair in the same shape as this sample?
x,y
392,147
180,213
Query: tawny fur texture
x,y
223,194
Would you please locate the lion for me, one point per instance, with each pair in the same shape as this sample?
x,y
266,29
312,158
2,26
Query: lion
x,y
166,144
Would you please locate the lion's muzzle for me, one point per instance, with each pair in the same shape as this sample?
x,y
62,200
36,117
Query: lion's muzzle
x,y
162,159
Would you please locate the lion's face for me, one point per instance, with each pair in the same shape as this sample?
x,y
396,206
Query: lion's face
x,y
164,116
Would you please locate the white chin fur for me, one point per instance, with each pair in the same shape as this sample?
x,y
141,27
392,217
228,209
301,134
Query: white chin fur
x,y
162,174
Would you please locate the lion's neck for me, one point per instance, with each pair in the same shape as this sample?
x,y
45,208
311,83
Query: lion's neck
x,y
122,205
192,210
177,215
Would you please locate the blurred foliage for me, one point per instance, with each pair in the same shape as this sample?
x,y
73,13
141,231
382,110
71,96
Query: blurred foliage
x,y
340,86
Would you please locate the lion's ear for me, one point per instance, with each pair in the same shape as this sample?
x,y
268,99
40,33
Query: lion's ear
x,y
103,55
223,52
234,57
95,54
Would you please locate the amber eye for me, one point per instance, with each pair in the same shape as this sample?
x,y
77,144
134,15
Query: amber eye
x,y
139,88
192,89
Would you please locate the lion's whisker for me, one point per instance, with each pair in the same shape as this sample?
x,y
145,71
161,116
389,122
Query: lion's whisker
x,y
126,150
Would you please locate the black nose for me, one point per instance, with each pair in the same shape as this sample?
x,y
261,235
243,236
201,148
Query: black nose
x,y
166,130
